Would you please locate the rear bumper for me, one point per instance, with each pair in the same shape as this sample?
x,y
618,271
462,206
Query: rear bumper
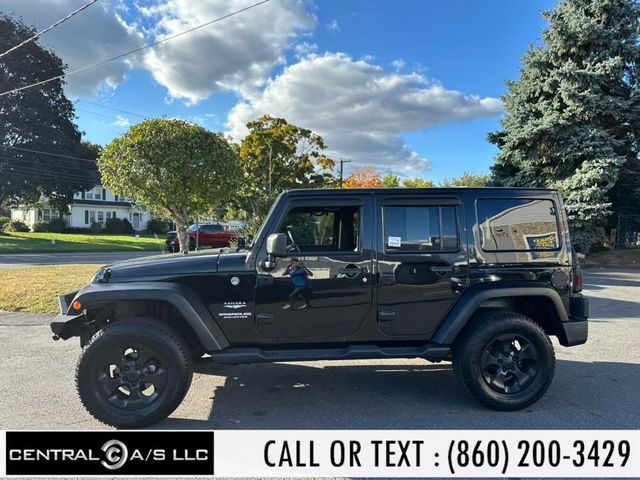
x,y
576,330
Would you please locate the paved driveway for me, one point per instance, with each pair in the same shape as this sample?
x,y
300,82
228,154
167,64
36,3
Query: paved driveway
x,y
597,385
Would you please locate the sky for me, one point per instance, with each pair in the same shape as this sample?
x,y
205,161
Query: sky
x,y
407,87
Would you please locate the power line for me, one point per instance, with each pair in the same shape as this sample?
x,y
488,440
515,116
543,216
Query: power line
x,y
49,153
110,117
102,62
51,27
35,173
111,108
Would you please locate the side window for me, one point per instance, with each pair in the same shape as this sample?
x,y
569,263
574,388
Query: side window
x,y
420,228
322,229
511,224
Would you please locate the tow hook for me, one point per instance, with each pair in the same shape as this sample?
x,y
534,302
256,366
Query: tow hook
x,y
56,337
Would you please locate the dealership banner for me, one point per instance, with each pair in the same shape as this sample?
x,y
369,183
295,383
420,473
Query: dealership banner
x,y
322,453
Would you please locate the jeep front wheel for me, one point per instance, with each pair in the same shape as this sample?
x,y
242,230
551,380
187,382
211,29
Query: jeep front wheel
x,y
133,373
505,360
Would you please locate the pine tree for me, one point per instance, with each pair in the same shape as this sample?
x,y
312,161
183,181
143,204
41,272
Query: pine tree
x,y
573,118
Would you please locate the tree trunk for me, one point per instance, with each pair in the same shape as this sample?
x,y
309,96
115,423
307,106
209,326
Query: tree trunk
x,y
183,236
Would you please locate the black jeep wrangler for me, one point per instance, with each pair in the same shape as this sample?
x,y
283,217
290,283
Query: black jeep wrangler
x,y
478,276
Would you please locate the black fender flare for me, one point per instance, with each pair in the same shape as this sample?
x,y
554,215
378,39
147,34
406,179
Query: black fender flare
x,y
183,298
472,298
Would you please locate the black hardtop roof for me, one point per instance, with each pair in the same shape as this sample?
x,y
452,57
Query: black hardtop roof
x,y
437,191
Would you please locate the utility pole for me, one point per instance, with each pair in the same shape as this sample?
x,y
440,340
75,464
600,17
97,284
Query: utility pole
x,y
342,162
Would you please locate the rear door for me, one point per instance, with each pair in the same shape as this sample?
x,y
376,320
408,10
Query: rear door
x,y
421,264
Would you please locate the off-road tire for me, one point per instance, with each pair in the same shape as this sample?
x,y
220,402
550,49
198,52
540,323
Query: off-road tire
x,y
475,340
174,358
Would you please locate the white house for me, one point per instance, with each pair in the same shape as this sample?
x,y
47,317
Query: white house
x,y
93,206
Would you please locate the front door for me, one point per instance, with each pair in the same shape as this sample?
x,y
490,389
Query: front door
x,y
421,264
322,291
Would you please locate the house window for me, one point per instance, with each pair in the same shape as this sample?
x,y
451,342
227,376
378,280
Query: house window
x,y
89,195
114,214
108,215
46,215
98,194
100,218
86,217
92,216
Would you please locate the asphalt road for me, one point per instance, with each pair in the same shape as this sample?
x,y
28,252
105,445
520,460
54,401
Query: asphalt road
x,y
597,385
31,259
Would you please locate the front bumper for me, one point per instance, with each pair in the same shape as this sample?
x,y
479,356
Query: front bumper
x,y
65,326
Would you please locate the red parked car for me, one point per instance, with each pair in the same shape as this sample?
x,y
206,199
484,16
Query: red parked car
x,y
206,235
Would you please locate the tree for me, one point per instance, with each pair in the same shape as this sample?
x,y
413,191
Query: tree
x,y
37,119
276,156
417,183
391,181
365,177
467,179
176,169
573,117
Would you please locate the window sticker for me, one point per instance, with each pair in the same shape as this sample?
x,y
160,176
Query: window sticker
x,y
394,241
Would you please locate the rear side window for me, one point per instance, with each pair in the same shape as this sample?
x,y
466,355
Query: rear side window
x,y
420,228
517,225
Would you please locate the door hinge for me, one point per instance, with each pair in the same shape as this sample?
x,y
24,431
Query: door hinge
x,y
264,279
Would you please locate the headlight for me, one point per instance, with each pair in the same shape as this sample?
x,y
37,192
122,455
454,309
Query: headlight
x,y
101,276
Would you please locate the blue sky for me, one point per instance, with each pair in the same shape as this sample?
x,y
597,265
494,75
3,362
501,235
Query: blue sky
x,y
465,48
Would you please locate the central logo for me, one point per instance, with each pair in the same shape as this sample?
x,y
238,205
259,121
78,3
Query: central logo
x,y
116,454
235,305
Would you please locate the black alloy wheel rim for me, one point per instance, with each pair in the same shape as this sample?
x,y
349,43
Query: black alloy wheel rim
x,y
133,376
509,363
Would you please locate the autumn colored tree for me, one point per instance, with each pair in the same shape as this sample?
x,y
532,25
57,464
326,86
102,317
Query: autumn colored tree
x,y
277,156
365,177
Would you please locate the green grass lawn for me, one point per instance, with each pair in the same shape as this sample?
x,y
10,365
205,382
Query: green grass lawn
x,y
36,289
69,242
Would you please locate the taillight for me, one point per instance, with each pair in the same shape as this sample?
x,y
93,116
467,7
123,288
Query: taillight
x,y
577,283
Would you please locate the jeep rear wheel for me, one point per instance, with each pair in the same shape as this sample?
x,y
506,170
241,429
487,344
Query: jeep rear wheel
x,y
133,373
505,360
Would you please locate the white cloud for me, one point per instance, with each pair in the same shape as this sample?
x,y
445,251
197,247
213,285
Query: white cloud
x,y
304,49
93,35
238,53
360,109
398,64
121,121
333,26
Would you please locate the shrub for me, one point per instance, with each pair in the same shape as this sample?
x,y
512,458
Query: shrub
x,y
40,226
77,230
57,225
128,228
115,225
15,226
4,221
95,227
157,226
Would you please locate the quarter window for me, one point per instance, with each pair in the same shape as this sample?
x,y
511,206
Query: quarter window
x,y
420,228
512,224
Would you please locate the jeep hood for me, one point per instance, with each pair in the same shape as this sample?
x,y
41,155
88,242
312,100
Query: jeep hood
x,y
166,267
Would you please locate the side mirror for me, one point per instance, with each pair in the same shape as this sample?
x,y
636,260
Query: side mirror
x,y
276,247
